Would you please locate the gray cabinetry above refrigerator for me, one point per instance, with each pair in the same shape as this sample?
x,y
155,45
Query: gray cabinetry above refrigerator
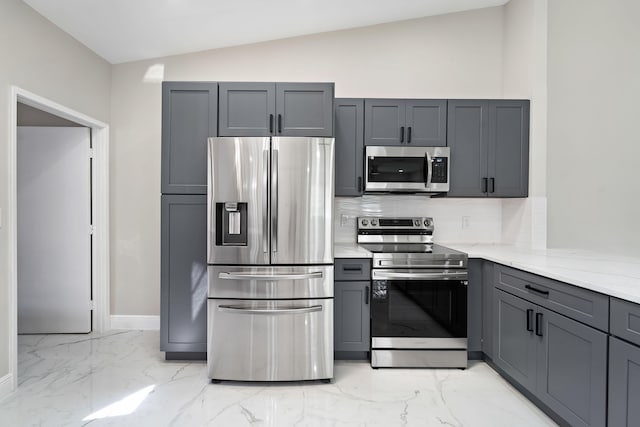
x,y
276,109
420,122
189,117
489,142
349,125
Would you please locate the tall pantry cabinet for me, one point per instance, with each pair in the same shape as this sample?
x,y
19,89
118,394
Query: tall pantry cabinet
x,y
189,117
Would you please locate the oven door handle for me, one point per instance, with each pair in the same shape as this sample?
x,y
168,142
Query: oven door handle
x,y
429,169
277,311
248,276
449,275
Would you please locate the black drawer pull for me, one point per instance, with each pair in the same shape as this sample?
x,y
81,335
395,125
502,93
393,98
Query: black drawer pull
x,y
493,185
270,123
409,135
366,295
484,184
401,133
530,319
279,123
540,291
352,268
539,324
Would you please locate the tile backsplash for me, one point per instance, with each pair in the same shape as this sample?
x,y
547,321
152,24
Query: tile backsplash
x,y
456,220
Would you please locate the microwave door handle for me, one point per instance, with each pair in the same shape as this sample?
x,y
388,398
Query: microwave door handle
x,y
429,169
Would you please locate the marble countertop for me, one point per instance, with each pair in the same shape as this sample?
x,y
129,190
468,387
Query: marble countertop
x,y
614,275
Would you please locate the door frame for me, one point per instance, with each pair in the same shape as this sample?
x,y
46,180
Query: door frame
x,y
100,196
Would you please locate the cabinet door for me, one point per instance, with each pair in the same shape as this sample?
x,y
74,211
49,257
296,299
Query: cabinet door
x,y
384,122
352,310
426,121
487,308
247,109
508,167
189,117
624,384
572,369
304,109
349,124
467,137
474,305
514,342
183,325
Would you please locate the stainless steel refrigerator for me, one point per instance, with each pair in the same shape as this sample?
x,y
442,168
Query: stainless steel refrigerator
x,y
270,256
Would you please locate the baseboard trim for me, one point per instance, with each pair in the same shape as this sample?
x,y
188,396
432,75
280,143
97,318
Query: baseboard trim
x,y
6,386
146,323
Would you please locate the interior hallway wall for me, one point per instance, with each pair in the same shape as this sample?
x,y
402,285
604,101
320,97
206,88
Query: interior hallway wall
x,y
594,147
39,57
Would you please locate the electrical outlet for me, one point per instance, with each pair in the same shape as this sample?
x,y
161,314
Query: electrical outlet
x,y
466,220
347,220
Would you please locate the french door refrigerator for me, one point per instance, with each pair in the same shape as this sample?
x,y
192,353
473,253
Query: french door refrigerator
x,y
270,256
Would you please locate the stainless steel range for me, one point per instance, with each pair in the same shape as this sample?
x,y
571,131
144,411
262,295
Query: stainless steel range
x,y
418,295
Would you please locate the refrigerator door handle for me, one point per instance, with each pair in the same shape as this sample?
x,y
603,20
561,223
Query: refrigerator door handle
x,y
232,275
265,202
274,201
243,310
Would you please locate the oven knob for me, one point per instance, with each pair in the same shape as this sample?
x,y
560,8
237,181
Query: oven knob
x,y
364,222
427,222
416,222
374,222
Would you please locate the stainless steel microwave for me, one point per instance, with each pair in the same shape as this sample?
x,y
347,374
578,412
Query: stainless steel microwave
x,y
407,169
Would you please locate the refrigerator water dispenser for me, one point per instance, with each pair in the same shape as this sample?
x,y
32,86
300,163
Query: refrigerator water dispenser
x,y
231,224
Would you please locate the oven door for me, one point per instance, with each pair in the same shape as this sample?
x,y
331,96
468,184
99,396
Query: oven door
x,y
409,169
409,311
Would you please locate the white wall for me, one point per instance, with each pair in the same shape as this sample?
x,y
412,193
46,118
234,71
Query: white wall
x,y
594,144
449,56
39,57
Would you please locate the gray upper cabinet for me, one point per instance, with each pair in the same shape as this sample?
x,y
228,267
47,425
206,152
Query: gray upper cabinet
x,y
624,384
247,109
189,117
282,109
420,122
183,326
489,142
349,125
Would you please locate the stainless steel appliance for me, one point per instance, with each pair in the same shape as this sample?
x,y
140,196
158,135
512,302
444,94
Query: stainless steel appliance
x,y
270,255
418,295
407,169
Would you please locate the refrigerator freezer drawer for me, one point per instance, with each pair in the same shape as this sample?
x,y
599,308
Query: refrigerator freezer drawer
x,y
270,282
278,340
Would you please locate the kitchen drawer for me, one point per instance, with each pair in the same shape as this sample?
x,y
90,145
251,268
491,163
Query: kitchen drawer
x,y
352,269
580,304
625,320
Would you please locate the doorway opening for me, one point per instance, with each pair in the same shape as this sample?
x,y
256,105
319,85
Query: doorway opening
x,y
99,183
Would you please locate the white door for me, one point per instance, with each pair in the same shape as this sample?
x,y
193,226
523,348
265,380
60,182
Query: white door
x,y
54,241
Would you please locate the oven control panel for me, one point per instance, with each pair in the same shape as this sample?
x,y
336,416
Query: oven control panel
x,y
391,224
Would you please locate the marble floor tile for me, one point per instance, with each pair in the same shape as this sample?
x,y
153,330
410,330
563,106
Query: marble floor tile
x,y
120,379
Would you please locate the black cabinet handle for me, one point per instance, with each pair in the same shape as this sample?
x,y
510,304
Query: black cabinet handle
x,y
352,268
409,135
279,123
484,185
530,319
270,123
359,184
540,291
539,324
366,295
401,133
492,181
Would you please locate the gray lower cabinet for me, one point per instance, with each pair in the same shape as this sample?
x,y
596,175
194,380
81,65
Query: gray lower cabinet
x,y
189,117
419,122
349,126
352,325
561,361
624,384
276,109
183,317
489,143
474,306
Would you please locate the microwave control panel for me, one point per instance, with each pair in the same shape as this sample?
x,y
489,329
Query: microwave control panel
x,y
440,170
